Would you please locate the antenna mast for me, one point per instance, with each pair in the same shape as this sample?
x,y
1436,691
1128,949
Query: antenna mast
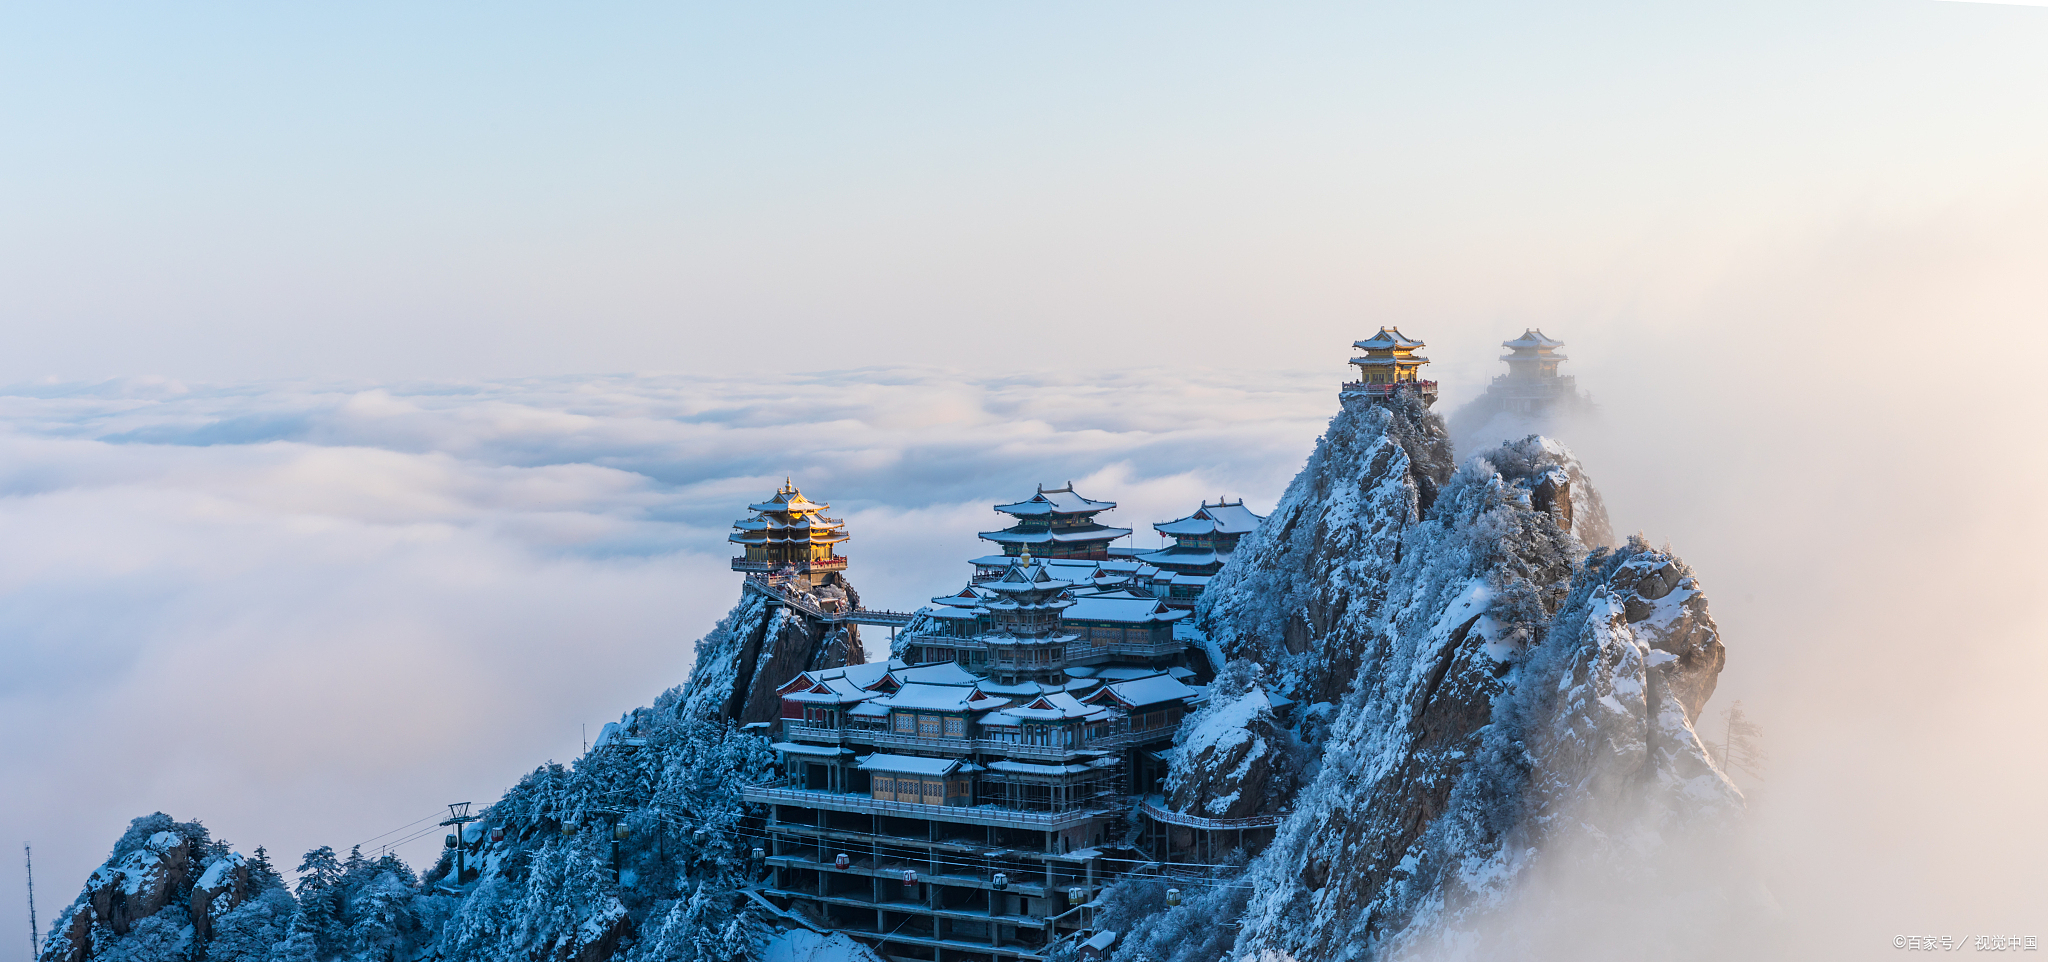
x,y
35,932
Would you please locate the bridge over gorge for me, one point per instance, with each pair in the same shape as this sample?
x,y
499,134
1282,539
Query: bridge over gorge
x,y
778,590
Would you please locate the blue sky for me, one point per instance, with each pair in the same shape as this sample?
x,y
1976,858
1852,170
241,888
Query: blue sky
x,y
209,191
354,347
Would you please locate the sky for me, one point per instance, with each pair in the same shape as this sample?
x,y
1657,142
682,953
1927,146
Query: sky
x,y
380,381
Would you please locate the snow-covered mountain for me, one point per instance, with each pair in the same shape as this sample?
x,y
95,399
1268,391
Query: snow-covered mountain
x,y
1472,690
1444,677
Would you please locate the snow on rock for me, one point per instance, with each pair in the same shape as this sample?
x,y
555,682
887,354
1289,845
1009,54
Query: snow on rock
x,y
803,945
1232,759
760,645
1302,593
1505,678
158,864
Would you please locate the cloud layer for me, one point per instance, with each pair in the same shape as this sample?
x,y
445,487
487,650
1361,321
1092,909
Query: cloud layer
x,y
308,613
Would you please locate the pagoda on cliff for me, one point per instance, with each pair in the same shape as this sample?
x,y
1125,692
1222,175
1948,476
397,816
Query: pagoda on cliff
x,y
1202,542
1532,384
1056,523
789,537
1390,366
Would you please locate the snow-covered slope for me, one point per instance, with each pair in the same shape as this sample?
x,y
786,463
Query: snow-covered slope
x,y
758,646
1505,677
635,852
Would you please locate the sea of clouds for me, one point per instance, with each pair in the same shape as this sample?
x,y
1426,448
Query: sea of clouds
x,y
311,612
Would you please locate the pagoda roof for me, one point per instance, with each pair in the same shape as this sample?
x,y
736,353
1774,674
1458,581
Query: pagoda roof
x,y
1218,518
1141,692
1049,501
1533,339
1187,557
1121,607
788,499
1390,361
1388,339
914,764
1070,536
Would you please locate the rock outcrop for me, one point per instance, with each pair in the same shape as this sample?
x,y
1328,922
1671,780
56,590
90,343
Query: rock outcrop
x,y
763,643
1507,677
163,875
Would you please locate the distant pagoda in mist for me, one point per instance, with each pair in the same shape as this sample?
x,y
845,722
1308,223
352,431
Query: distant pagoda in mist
x,y
1389,367
789,535
1532,384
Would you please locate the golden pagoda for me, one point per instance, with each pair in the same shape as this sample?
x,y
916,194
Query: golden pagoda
x,y
789,536
1390,365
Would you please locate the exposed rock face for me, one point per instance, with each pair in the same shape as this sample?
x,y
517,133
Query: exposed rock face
x,y
1302,594
158,865
1505,678
1233,759
760,645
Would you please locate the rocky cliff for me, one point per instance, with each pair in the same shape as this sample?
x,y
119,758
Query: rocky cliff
x,y
1477,690
634,852
759,645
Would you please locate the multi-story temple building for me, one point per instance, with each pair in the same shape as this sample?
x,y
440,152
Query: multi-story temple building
x,y
789,535
1390,366
1532,384
1202,542
963,802
1055,523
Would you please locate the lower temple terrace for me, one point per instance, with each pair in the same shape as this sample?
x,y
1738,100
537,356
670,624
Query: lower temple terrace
x,y
970,800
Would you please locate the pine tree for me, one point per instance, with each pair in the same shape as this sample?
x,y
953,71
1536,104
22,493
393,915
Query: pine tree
x,y
1741,743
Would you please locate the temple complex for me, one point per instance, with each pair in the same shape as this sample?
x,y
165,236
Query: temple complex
x,y
789,537
1202,542
1390,366
968,799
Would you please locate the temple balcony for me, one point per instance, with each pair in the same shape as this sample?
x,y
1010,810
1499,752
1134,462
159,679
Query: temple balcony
x,y
780,792
1426,389
1510,386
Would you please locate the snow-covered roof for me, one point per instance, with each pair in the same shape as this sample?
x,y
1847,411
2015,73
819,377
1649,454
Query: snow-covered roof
x,y
1143,692
1097,532
1057,706
1027,768
1387,339
1191,557
1054,501
910,764
1219,518
1121,607
931,697
799,748
937,673
1534,339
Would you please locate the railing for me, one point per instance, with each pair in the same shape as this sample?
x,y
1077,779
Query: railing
x,y
772,794
1388,390
1507,385
1157,812
771,587
963,746
794,567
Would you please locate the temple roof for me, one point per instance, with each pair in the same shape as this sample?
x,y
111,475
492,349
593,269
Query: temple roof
x,y
788,499
1218,518
1120,607
1054,501
1533,339
1388,339
913,764
1070,536
1141,692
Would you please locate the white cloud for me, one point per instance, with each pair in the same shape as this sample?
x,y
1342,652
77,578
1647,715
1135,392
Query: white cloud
x,y
310,612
